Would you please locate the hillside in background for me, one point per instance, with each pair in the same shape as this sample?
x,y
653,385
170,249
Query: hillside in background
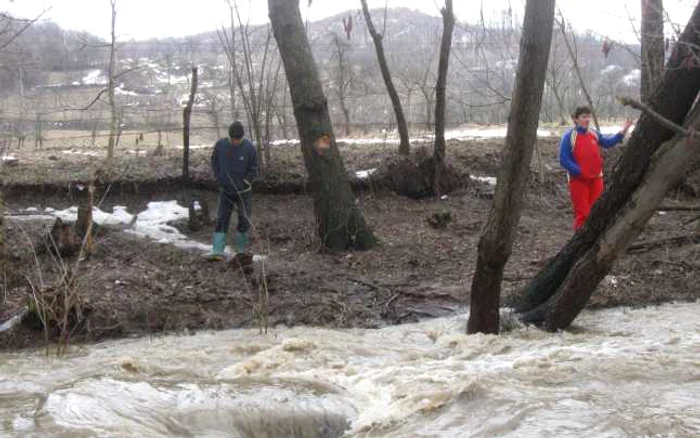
x,y
50,75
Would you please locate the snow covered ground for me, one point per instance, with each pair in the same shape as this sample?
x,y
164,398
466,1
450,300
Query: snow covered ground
x,y
469,133
152,223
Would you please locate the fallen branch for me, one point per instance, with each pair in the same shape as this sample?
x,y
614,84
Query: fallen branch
x,y
691,221
665,242
678,129
679,208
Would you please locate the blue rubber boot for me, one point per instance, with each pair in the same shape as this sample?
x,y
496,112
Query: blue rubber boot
x,y
241,242
218,246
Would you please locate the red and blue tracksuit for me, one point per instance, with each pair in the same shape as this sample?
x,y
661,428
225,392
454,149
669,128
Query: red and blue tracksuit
x,y
579,154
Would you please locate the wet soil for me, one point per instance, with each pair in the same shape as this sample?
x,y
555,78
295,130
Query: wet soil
x,y
134,287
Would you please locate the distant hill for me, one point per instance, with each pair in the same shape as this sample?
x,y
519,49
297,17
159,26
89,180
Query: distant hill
x,y
49,69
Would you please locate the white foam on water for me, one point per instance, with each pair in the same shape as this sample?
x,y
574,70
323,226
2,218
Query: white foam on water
x,y
621,372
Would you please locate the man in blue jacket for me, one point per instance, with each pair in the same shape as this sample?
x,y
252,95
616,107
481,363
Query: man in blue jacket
x,y
235,166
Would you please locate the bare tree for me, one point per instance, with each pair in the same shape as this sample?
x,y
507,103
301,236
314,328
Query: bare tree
x,y
249,81
377,38
186,117
341,225
343,78
110,86
571,47
652,46
448,19
556,74
212,100
496,242
558,292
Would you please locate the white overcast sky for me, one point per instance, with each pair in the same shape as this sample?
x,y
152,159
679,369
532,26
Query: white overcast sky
x,y
141,19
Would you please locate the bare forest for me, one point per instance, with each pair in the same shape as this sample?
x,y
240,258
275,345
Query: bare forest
x,y
407,166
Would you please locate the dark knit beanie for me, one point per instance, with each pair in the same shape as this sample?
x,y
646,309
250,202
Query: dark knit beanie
x,y
236,130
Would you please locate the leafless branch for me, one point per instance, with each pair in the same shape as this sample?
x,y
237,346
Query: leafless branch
x,y
26,26
628,101
93,102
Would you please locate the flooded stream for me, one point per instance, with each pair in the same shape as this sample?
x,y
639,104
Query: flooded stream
x,y
617,373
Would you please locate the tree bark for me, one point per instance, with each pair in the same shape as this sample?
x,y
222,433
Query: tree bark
x,y
667,169
341,225
186,116
448,22
496,242
673,99
404,146
652,46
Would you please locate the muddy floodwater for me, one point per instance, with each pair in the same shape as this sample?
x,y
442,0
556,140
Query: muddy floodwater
x,y
617,373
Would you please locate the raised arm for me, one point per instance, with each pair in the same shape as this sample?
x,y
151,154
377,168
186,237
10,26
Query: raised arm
x,y
609,141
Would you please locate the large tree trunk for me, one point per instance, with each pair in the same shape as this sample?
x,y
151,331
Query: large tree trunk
x,y
341,225
404,147
673,99
652,46
448,23
496,243
667,169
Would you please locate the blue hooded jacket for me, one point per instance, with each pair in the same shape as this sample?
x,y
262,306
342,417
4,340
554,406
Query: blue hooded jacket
x,y
234,167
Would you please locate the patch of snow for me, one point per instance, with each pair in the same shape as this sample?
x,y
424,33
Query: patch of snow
x,y
77,152
120,214
500,132
31,209
163,78
151,223
490,180
193,147
95,77
9,158
364,174
15,320
453,134
633,78
122,92
610,69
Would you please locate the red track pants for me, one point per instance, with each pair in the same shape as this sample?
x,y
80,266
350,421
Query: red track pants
x,y
584,193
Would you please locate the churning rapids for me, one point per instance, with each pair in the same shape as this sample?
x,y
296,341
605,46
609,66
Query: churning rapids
x,y
618,372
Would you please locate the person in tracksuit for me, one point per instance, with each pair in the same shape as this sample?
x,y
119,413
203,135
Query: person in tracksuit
x,y
235,165
579,154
